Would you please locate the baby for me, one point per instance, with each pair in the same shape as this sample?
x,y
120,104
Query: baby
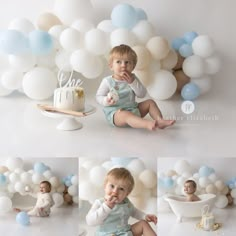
x,y
117,93
190,188
112,212
44,201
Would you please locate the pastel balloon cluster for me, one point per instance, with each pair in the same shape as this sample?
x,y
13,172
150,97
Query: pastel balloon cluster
x,y
206,179
198,61
92,174
71,182
15,179
231,183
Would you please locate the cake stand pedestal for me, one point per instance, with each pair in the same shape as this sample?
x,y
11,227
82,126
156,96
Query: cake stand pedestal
x,y
69,122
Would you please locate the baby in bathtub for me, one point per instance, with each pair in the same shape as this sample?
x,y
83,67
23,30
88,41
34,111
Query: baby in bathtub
x,y
190,188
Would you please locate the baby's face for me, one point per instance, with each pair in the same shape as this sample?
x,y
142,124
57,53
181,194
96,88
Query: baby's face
x,y
121,65
117,189
189,188
44,188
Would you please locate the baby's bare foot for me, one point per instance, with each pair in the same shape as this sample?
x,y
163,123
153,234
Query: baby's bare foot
x,y
151,125
162,124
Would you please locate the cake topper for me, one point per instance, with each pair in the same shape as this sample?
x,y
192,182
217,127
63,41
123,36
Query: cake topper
x,y
67,79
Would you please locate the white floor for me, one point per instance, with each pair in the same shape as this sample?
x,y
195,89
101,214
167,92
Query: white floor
x,y
62,221
168,225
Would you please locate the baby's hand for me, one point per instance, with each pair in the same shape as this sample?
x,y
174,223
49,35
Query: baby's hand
x,y
110,101
110,201
151,218
128,77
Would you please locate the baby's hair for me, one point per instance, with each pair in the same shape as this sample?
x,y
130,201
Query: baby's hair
x,y
123,50
48,184
192,182
121,174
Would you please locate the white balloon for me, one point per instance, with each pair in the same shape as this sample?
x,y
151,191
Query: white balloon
x,y
143,31
97,42
194,66
182,166
73,190
221,201
83,25
62,60
14,162
95,69
58,199
70,10
56,30
13,177
204,83
81,60
39,83
97,175
70,39
86,190
204,181
37,178
21,24
106,26
213,64
203,46
47,60
19,187
26,178
136,166
122,36
163,86
23,62
5,204
12,79
47,174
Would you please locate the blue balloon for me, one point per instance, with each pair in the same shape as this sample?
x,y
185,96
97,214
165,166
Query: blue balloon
x,y
124,16
3,179
40,42
186,50
190,36
168,182
177,43
141,14
190,91
13,42
23,218
205,171
40,167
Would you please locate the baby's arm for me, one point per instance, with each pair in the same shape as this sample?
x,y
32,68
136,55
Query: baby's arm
x,y
138,88
102,92
47,201
98,213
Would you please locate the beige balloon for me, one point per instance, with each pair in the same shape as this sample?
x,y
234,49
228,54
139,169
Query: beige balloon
x,y
144,77
47,20
3,169
170,61
144,57
158,47
181,78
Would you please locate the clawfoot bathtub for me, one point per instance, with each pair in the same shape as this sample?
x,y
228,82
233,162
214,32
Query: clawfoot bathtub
x,y
183,208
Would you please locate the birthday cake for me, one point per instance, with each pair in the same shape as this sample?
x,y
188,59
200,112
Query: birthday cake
x,y
69,98
70,95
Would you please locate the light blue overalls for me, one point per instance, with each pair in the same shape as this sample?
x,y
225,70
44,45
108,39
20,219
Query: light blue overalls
x,y
116,224
126,99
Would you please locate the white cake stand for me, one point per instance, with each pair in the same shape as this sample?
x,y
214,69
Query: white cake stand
x,y
69,122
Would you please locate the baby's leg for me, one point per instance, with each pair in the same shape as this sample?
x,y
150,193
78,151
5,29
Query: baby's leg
x,y
123,118
142,228
150,107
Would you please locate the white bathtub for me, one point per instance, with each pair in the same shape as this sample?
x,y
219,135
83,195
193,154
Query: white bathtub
x,y
182,208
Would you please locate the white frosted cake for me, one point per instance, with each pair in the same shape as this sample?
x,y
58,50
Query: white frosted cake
x,y
69,98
